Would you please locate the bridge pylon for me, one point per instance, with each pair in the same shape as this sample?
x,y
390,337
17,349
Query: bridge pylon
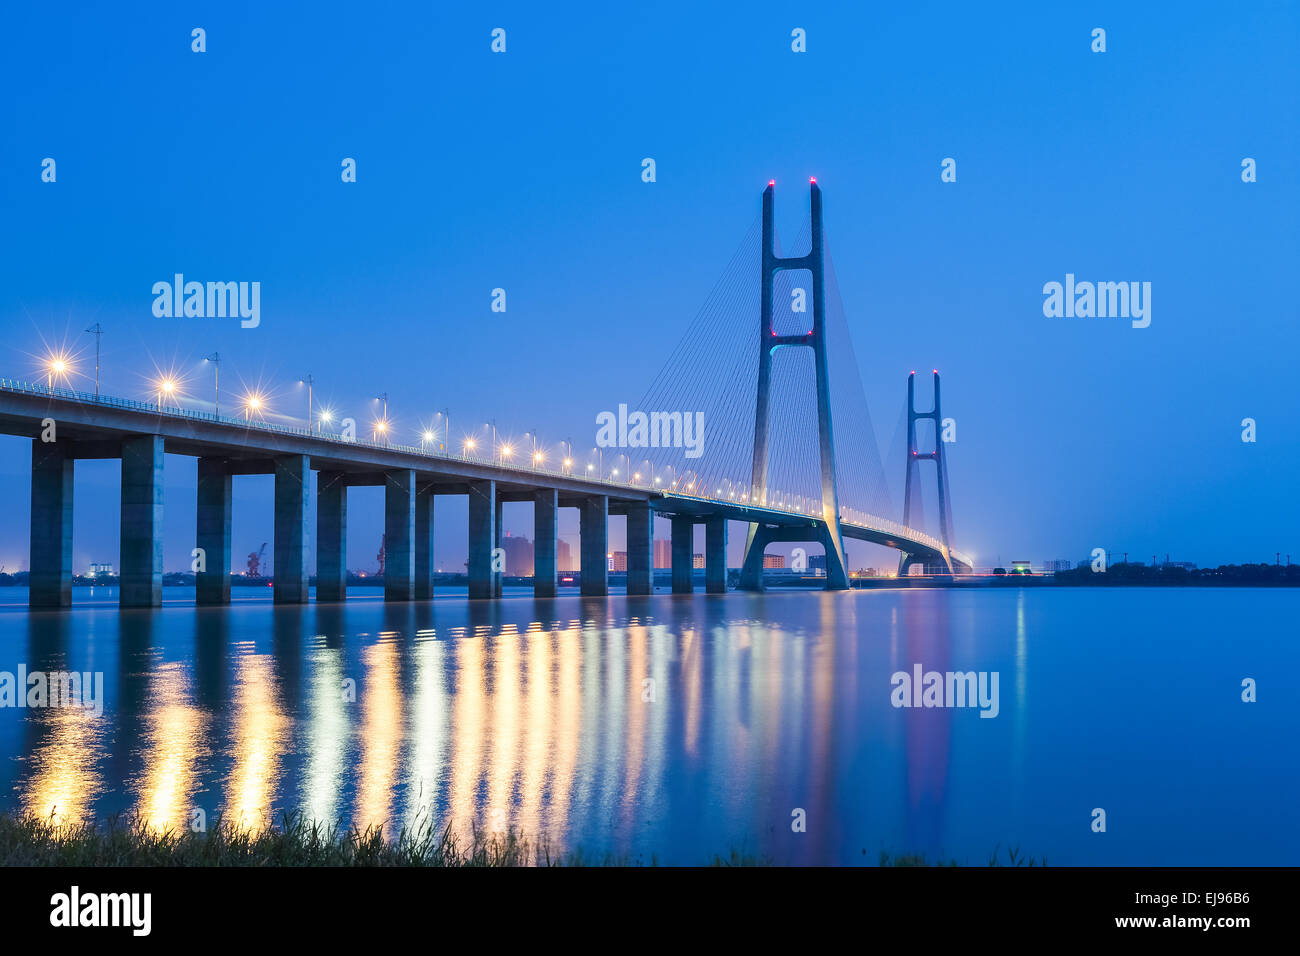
x,y
826,529
914,458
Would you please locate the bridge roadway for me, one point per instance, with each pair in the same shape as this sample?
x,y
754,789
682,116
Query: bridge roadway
x,y
66,425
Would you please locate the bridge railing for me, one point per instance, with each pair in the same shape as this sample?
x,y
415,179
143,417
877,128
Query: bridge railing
x,y
254,423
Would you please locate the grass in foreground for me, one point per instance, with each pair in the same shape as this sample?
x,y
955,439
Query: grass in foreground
x,y
27,840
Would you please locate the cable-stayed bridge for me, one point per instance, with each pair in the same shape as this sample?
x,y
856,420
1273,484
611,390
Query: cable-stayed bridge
x,y
782,451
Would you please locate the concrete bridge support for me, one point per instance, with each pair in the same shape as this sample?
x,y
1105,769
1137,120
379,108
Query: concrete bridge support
x,y
292,481
424,566
50,560
331,536
715,555
212,534
683,549
140,571
482,537
593,529
399,534
751,572
499,569
546,508
640,548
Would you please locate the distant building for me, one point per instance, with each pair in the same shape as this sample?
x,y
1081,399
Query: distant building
x,y
663,553
100,571
564,557
1062,565
773,561
817,563
618,562
519,555
698,562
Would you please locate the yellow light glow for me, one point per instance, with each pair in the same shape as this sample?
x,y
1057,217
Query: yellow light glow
x,y
428,436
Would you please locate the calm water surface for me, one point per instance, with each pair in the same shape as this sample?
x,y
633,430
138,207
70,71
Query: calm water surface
x,y
680,727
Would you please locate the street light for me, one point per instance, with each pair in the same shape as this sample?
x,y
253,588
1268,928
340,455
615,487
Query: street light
x,y
308,381
97,332
56,365
252,405
165,387
215,359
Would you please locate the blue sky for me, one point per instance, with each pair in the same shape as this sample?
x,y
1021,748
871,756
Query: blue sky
x,y
522,171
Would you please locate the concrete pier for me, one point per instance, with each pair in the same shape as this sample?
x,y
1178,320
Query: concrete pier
x,y
50,559
593,528
212,533
499,569
424,566
292,481
331,536
640,548
683,555
546,508
715,555
399,535
482,536
140,571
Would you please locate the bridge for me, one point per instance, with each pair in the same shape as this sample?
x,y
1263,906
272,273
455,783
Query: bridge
x,y
66,425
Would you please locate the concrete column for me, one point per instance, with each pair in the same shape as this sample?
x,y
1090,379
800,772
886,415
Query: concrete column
x,y
498,555
399,534
424,566
292,481
482,536
140,574
715,555
215,506
331,536
546,509
683,555
49,581
640,548
593,527
751,569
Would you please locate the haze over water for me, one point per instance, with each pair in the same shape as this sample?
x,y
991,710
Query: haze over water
x,y
541,715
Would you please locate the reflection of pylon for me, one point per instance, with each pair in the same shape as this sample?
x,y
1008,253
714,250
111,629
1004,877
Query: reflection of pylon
x,y
914,459
383,547
828,528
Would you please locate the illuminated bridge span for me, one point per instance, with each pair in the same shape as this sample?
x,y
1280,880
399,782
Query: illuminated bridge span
x,y
759,419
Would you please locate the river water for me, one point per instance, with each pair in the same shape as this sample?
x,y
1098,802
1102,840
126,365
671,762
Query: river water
x,y
676,728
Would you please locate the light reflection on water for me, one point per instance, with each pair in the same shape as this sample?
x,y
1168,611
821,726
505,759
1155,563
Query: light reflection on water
x,y
682,727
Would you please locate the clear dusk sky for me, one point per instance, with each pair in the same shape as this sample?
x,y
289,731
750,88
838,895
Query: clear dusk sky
x,y
522,171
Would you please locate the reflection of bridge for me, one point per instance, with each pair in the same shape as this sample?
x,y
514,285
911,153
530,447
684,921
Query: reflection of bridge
x,y
66,426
